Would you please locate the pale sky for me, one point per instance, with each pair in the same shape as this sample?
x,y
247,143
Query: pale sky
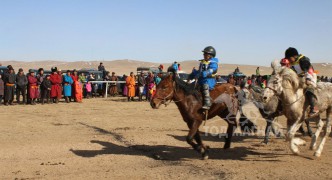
x,y
242,31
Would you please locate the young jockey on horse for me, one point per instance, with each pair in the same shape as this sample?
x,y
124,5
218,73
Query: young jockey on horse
x,y
302,66
208,68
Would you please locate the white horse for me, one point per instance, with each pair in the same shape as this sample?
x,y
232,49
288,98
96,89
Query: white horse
x,y
291,90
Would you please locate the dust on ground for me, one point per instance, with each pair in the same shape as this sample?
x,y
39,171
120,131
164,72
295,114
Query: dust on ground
x,y
111,138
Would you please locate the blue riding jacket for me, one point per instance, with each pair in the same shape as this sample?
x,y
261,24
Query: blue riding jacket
x,y
206,73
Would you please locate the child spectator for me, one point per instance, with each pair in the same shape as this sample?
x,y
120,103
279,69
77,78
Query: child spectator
x,y
45,89
88,88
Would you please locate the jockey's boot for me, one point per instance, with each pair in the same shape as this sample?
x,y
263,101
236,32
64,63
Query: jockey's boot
x,y
206,97
311,100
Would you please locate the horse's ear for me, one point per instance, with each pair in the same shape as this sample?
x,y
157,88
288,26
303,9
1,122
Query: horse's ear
x,y
275,67
170,76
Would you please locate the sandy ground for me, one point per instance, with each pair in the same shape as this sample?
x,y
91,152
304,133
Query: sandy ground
x,y
113,139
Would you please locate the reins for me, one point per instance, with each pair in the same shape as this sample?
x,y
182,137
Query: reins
x,y
288,104
164,99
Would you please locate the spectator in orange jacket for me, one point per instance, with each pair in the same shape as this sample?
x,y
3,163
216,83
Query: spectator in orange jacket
x,y
130,82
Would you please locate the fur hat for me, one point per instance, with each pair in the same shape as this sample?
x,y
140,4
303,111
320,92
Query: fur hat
x,y
10,67
54,69
40,69
31,71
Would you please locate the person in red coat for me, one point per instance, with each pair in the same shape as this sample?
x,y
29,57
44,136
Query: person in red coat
x,y
56,81
33,87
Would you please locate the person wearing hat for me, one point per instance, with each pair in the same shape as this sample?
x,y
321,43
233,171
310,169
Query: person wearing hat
x,y
161,67
101,67
149,84
208,68
40,77
45,89
77,93
9,81
302,66
21,86
56,81
130,82
175,67
67,82
141,85
113,88
33,87
258,72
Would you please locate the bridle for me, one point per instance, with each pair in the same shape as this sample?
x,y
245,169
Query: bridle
x,y
275,92
164,99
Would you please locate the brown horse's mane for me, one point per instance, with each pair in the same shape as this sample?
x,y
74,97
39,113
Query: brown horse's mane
x,y
189,89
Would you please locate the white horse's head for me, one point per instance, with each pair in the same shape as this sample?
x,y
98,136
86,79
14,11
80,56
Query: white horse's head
x,y
273,87
282,78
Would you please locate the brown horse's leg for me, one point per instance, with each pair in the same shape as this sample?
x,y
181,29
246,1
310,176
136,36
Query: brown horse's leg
x,y
204,150
193,127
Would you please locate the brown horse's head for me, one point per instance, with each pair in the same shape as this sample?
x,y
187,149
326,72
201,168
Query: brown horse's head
x,y
164,92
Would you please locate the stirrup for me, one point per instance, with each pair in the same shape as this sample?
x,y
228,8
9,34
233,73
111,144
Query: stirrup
x,y
312,114
206,107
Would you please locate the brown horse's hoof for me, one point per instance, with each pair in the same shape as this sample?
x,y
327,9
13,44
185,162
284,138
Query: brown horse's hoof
x,y
227,146
205,155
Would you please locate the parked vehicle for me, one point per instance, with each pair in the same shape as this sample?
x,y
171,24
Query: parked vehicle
x,y
237,74
183,76
98,75
154,70
3,69
46,72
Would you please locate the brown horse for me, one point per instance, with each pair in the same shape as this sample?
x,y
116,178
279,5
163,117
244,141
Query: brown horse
x,y
189,102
